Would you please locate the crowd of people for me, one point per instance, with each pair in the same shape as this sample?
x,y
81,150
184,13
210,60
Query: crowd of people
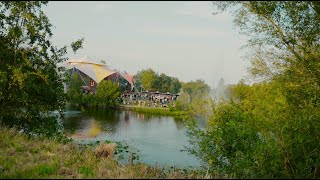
x,y
143,99
148,99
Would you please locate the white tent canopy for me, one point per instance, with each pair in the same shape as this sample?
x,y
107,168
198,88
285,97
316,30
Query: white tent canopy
x,y
94,69
87,60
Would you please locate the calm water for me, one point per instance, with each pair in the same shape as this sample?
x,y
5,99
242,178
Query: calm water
x,y
158,138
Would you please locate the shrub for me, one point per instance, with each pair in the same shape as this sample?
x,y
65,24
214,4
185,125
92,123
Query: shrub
x,y
107,93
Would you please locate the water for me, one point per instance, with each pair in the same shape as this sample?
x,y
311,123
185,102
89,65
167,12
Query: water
x,y
159,139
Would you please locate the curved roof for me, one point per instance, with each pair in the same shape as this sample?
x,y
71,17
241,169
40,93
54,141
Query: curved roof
x,y
86,60
95,70
128,77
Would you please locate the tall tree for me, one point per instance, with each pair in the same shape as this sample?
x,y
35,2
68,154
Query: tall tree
x,y
175,86
196,89
31,84
74,93
269,129
148,79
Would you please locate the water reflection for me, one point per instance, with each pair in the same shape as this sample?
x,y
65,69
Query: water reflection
x,y
159,138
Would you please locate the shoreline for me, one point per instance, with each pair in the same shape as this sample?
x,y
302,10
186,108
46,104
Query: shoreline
x,y
151,110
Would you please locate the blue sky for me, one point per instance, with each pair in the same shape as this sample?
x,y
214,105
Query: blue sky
x,y
180,39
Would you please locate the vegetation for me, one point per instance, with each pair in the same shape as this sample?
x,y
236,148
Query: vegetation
x,y
158,111
25,157
31,84
148,79
194,97
183,100
106,95
268,129
74,94
196,89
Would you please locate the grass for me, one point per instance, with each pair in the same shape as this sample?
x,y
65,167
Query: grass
x,y
154,110
23,157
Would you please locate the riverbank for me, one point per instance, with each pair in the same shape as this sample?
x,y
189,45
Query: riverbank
x,y
23,157
149,110
152,110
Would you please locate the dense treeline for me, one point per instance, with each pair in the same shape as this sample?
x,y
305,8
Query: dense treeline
x,y
148,79
189,92
108,93
269,129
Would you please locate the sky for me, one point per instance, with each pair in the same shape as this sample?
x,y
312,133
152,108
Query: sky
x,y
179,38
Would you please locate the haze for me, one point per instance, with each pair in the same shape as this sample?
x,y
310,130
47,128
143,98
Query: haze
x,y
180,39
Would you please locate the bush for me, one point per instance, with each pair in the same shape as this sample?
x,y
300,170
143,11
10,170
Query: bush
x,y
258,135
74,94
107,93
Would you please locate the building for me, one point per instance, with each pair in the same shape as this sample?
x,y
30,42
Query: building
x,y
93,72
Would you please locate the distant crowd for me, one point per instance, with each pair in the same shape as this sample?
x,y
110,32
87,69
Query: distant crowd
x,y
143,99
148,99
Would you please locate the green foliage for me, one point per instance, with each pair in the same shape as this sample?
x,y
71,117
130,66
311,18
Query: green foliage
x,y
107,93
44,170
147,79
86,171
77,45
159,111
196,89
31,84
193,96
183,101
151,81
89,99
269,129
74,93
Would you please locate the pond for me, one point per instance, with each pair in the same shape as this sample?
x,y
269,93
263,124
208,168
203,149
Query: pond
x,y
159,139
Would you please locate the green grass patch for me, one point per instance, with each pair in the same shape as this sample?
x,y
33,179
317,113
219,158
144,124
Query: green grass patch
x,y
44,170
85,171
155,110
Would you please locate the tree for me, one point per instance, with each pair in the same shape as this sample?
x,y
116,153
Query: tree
x,y
107,93
74,93
147,78
269,129
196,89
175,85
31,84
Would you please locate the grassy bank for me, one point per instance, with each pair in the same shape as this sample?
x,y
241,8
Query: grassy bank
x,y
23,157
153,110
149,110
